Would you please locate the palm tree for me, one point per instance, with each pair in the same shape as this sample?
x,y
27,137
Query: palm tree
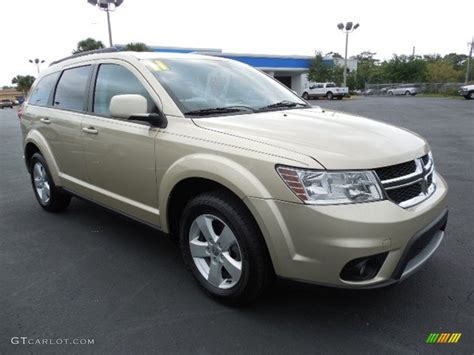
x,y
88,44
137,47
23,83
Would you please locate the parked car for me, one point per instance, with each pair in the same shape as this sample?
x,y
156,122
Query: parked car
x,y
369,92
6,103
250,179
329,90
403,90
467,91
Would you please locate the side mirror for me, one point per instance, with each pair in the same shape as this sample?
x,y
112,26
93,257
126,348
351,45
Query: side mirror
x,y
124,106
155,119
135,108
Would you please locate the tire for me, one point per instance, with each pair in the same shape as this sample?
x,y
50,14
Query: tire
x,y
407,93
232,238
305,96
390,93
329,95
43,186
470,95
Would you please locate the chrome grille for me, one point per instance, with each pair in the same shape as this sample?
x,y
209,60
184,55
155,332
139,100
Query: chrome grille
x,y
409,183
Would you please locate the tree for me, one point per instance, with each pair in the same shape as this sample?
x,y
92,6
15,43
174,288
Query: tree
x,y
367,70
88,44
23,83
324,70
137,47
404,69
442,72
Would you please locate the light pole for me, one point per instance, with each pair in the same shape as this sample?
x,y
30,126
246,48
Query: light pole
x,y
469,58
348,28
107,6
37,62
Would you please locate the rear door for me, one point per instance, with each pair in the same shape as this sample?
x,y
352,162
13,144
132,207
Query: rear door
x,y
120,154
57,108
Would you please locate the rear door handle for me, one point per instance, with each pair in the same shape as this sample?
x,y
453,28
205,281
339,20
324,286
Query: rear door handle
x,y
45,120
90,130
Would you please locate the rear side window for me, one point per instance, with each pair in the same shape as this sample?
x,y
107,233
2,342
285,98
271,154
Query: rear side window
x,y
42,91
72,89
113,79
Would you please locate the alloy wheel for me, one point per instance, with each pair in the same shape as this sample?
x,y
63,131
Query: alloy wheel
x,y
215,251
42,186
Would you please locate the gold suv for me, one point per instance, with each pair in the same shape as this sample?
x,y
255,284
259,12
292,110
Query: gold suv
x,y
252,180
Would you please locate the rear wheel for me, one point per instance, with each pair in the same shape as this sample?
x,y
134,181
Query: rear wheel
x,y
407,93
329,95
47,194
224,249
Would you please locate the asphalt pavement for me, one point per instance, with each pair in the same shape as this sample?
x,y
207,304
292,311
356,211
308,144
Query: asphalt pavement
x,y
91,274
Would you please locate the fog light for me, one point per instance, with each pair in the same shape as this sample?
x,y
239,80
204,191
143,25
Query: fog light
x,y
364,268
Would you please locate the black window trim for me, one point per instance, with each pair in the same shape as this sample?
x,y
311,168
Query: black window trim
x,y
85,101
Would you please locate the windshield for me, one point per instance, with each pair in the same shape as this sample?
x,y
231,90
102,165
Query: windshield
x,y
208,86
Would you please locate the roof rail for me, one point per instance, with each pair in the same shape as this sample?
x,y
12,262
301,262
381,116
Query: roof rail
x,y
81,54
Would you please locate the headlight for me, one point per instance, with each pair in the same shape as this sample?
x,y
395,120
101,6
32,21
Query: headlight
x,y
331,187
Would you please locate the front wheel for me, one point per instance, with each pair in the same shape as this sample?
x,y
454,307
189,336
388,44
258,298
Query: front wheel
x,y
47,194
305,96
470,96
407,93
224,249
329,95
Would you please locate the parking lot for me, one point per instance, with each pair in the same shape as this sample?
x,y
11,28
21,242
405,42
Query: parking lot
x,y
89,273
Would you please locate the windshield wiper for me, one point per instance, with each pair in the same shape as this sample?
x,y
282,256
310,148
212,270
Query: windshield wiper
x,y
281,104
218,110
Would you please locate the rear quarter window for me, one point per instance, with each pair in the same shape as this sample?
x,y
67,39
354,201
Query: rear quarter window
x,y
42,92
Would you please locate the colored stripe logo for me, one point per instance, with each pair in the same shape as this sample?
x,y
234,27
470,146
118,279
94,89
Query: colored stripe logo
x,y
442,338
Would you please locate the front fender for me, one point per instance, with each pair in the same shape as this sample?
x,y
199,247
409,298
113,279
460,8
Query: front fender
x,y
36,138
224,171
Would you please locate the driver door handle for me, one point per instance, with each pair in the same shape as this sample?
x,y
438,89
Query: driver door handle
x,y
90,130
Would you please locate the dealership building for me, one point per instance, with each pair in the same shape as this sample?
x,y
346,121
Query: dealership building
x,y
291,70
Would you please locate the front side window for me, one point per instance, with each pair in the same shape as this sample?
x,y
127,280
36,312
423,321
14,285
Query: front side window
x,y
113,79
200,84
42,91
72,88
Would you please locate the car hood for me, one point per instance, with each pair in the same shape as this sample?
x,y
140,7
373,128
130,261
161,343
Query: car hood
x,y
334,139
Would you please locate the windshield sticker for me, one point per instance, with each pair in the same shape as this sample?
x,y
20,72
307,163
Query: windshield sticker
x,y
157,65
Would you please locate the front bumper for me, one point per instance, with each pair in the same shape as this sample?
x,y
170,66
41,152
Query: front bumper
x,y
463,92
313,243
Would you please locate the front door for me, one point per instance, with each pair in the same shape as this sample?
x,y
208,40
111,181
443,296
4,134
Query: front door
x,y
120,154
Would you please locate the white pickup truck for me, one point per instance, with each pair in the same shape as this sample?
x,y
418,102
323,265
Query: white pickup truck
x,y
329,90
467,91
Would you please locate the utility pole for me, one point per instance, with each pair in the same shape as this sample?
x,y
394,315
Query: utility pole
x,y
348,28
469,60
413,52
